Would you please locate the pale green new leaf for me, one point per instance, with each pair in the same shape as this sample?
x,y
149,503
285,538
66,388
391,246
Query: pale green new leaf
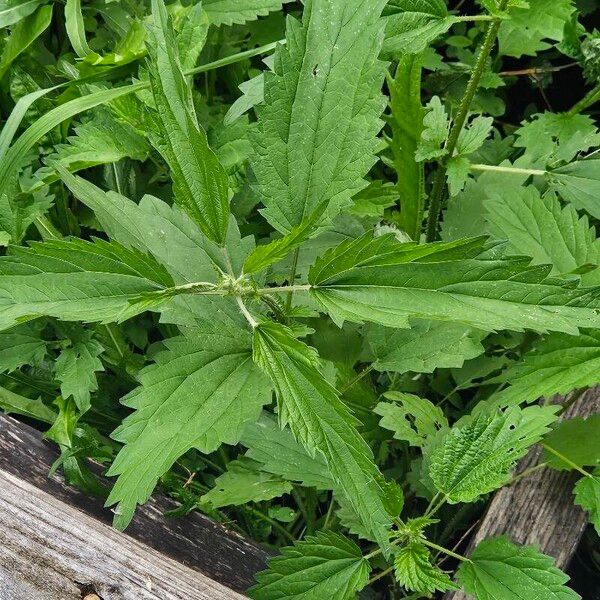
x,y
538,226
499,569
579,184
74,280
279,453
556,364
21,345
414,571
577,440
384,281
317,129
244,482
75,28
426,346
434,133
477,458
76,368
200,393
192,36
12,11
411,418
23,34
199,180
411,25
587,495
532,26
322,423
228,12
326,565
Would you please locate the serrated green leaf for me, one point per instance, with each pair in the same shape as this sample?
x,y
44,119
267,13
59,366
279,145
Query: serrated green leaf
x,y
435,131
76,368
414,571
500,569
426,346
578,440
477,458
411,418
200,393
15,404
21,345
228,12
192,35
587,495
279,453
244,482
316,135
12,11
326,565
386,282
74,280
322,423
199,180
538,226
579,183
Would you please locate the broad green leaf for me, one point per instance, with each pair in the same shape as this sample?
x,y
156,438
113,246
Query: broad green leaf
x,y
12,11
253,93
457,174
587,495
19,210
21,345
199,180
578,440
477,458
411,25
434,132
411,418
200,393
532,26
228,12
244,482
538,226
556,364
579,184
500,569
407,123
414,571
74,280
386,282
322,423
23,34
426,346
15,404
317,129
279,453
192,36
326,565
100,140
75,28
131,47
76,368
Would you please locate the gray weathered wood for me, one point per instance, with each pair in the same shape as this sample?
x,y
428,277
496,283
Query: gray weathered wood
x,y
53,551
539,508
195,541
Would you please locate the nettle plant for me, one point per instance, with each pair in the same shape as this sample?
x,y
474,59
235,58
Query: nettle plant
x,y
273,296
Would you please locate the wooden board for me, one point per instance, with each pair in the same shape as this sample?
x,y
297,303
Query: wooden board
x,y
539,508
52,533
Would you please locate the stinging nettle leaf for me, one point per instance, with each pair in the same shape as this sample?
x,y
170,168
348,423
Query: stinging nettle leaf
x,y
587,495
228,12
199,180
326,565
500,569
322,423
386,282
316,135
200,393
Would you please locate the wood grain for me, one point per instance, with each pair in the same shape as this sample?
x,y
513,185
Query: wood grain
x,y
539,508
195,541
53,551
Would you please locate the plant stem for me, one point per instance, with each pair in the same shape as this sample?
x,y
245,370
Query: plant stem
x,y
526,472
380,575
280,529
569,462
470,18
439,183
288,302
590,98
352,382
500,169
244,310
284,289
446,551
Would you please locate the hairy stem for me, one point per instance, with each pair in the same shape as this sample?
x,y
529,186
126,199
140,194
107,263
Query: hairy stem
x,y
501,169
284,289
446,551
439,182
288,302
590,98
566,460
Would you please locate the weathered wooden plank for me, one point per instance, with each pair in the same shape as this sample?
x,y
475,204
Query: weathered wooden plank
x,y
194,540
51,550
539,509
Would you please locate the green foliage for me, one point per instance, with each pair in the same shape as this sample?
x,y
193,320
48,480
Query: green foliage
x,y
587,495
577,440
497,566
